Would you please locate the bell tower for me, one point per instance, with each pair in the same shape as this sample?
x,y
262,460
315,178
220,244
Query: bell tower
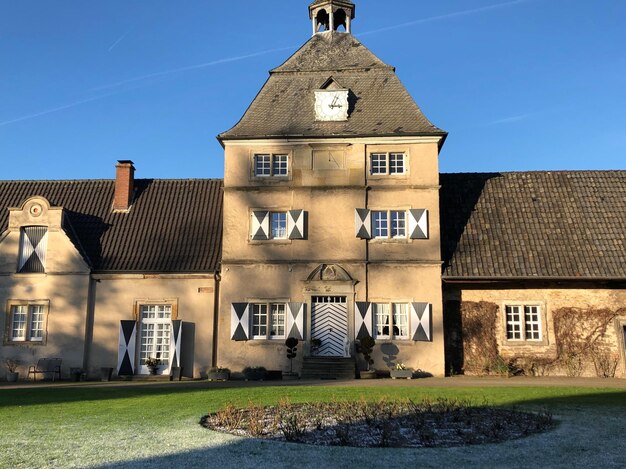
x,y
331,15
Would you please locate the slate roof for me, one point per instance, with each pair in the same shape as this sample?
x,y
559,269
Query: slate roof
x,y
379,103
174,226
549,224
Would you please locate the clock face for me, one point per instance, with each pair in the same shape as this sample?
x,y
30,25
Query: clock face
x,y
331,105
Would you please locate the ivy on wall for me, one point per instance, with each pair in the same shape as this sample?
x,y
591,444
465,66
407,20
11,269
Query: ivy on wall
x,y
480,348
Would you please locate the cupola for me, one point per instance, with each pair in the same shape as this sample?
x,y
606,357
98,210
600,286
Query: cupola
x,y
331,15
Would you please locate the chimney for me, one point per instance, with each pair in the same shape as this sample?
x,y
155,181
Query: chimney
x,y
124,185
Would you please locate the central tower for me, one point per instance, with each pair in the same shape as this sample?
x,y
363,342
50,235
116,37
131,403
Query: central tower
x,y
331,211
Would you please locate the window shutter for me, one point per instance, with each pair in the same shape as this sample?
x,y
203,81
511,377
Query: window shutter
x,y
260,225
363,324
295,320
295,224
126,348
175,341
418,224
363,223
421,322
33,245
240,321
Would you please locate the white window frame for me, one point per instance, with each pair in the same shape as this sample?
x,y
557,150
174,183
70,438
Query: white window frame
x,y
275,165
159,309
387,229
387,310
386,163
281,218
521,328
29,332
275,315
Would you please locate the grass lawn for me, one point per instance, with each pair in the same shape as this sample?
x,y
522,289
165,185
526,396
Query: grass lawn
x,y
157,426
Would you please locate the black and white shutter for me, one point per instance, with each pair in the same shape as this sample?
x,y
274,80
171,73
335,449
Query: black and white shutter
x,y
240,321
33,244
175,341
260,225
421,322
295,320
418,223
295,224
363,320
126,348
363,223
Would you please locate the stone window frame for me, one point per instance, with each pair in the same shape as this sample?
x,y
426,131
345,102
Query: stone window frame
x,y
391,337
8,340
389,237
268,303
620,334
272,155
387,162
543,323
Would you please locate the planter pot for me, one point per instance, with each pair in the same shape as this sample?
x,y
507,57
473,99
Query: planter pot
x,y
176,373
255,375
76,374
218,375
13,377
401,374
368,374
105,373
290,376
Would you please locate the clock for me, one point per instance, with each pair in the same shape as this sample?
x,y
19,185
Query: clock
x,y
331,105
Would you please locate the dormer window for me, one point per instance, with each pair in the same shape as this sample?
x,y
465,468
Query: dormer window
x,y
33,245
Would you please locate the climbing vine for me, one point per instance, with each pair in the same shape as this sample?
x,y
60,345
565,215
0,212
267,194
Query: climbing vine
x,y
480,348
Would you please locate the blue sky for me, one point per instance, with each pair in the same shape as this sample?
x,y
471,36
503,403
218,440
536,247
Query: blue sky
x,y
519,85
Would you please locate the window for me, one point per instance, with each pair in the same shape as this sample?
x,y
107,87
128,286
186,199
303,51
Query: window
x,y
523,323
268,320
387,163
155,332
279,225
391,320
33,244
27,322
267,165
389,224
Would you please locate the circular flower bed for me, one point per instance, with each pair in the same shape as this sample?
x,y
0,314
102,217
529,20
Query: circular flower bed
x,y
403,424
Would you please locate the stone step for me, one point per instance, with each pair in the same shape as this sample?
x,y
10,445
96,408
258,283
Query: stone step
x,y
328,368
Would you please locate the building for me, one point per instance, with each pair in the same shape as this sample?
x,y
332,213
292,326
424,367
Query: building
x,y
332,223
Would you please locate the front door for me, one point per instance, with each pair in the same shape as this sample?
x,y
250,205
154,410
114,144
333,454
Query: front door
x,y
329,323
154,337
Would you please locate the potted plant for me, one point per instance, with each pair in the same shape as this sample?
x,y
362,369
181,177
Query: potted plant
x,y
401,371
292,349
315,346
218,373
365,347
12,373
153,365
254,373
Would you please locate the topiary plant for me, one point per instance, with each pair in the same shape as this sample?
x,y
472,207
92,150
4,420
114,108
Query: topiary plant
x,y
366,346
292,348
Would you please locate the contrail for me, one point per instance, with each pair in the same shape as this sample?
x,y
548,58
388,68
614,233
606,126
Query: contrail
x,y
118,41
506,120
445,16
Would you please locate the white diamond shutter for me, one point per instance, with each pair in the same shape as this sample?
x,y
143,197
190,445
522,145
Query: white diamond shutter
x,y
126,348
421,322
260,225
33,245
295,320
363,320
240,321
295,224
175,342
363,223
418,224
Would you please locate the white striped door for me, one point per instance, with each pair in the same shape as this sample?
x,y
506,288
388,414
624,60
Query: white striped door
x,y
329,323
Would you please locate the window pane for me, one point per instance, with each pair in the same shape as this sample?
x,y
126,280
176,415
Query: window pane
x,y
278,321
262,165
279,225
379,163
259,321
18,322
382,319
401,320
398,224
381,228
532,324
280,165
396,163
36,322
513,323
